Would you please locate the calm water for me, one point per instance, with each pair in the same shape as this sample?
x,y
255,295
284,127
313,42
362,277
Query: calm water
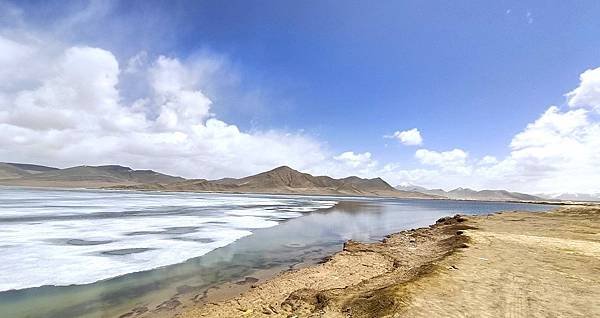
x,y
127,249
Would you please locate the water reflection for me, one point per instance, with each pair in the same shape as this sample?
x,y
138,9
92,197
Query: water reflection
x,y
305,239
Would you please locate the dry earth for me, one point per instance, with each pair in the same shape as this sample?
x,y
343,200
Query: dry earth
x,y
516,264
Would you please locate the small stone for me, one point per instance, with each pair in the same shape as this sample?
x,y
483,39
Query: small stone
x,y
266,311
443,219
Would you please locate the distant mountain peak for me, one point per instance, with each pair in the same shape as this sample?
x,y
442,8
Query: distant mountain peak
x,y
462,189
462,193
287,180
572,196
284,169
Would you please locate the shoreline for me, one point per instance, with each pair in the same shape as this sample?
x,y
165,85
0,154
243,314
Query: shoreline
x,y
282,193
398,276
180,306
388,256
351,196
304,239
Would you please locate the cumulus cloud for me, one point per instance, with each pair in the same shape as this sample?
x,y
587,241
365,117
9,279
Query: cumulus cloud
x,y
588,92
356,160
488,160
455,157
75,115
411,137
67,105
559,151
453,160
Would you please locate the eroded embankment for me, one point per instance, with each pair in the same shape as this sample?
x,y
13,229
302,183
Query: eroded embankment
x,y
517,264
362,281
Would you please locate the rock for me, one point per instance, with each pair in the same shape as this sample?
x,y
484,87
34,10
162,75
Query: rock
x,y
352,246
247,280
266,311
169,304
443,220
451,219
459,218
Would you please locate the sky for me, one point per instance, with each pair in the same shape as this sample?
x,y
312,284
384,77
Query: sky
x,y
500,95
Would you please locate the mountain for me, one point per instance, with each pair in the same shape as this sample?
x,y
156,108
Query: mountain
x,y
411,187
80,176
279,180
492,195
285,180
10,170
571,196
470,194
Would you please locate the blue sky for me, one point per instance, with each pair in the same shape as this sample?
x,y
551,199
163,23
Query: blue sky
x,y
469,75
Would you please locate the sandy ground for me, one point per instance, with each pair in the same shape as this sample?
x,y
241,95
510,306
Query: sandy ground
x,y
516,264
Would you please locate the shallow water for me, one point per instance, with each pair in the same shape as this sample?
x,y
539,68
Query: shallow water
x,y
117,232
60,237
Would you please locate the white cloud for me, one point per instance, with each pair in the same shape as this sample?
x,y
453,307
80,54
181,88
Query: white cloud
x,y
411,137
558,152
66,105
12,50
455,157
75,115
21,61
137,62
487,160
356,160
561,149
588,92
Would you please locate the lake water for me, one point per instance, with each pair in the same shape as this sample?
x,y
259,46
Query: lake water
x,y
87,253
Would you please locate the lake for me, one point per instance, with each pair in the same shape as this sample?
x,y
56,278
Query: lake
x,y
95,253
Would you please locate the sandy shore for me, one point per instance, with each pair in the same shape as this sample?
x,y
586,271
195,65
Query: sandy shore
x,y
517,264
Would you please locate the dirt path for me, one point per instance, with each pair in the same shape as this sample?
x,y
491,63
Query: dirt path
x,y
506,265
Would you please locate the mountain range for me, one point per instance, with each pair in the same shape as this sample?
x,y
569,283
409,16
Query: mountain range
x,y
566,196
469,194
18,174
284,180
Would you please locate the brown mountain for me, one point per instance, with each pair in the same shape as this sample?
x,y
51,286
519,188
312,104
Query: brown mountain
x,y
285,180
491,195
469,194
18,170
81,176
